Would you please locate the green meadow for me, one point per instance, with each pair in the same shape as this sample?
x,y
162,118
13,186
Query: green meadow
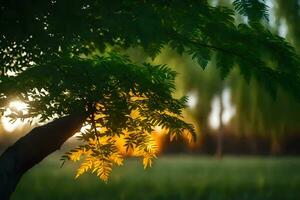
x,y
171,177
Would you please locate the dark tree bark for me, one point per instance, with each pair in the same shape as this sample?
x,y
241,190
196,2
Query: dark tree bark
x,y
33,148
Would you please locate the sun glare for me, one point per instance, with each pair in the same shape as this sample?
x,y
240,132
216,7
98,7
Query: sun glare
x,y
9,125
18,105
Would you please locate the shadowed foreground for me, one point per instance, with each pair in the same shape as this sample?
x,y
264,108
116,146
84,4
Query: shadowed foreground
x,y
181,177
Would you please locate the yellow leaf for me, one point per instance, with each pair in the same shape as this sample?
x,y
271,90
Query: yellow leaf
x,y
117,159
84,167
147,162
75,156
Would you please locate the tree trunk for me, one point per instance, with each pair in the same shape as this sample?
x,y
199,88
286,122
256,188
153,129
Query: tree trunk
x,y
219,151
275,146
33,148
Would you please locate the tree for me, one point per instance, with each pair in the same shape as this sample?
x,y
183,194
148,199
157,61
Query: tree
x,y
258,113
58,57
289,11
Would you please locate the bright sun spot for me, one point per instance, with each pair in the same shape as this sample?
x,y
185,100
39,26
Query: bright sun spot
x,y
9,125
18,105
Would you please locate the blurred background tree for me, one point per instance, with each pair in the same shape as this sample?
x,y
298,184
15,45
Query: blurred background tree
x,y
271,125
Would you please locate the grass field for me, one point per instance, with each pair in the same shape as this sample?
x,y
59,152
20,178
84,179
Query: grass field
x,y
178,177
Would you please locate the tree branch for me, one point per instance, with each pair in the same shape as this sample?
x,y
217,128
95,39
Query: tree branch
x,y
33,148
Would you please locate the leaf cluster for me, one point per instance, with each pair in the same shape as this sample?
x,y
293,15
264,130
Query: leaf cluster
x,y
109,89
34,33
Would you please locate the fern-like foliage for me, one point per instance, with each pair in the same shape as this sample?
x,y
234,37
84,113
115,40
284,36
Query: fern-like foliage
x,y
255,10
124,103
190,27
